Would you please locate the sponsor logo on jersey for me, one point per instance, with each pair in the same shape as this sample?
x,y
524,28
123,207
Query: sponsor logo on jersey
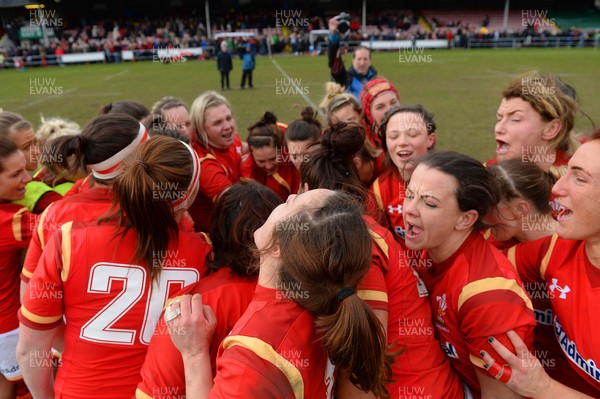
x,y
563,290
397,209
569,347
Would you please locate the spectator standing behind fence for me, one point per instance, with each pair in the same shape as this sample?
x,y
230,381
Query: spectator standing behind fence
x,y
225,65
361,70
248,64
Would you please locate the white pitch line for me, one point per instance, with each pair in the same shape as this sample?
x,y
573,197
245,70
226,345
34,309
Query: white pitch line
x,y
116,74
299,90
44,99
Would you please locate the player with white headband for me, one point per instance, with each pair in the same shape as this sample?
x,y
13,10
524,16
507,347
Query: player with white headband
x,y
102,146
109,280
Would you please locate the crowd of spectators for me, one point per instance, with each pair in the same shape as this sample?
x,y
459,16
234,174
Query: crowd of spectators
x,y
283,35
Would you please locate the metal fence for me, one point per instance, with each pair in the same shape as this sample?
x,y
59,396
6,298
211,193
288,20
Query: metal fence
x,y
321,47
538,42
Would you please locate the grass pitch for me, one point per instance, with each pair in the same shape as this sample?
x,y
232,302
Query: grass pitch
x,y
462,87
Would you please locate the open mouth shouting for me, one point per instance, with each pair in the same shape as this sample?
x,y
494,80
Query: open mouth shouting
x,y
564,214
502,147
413,231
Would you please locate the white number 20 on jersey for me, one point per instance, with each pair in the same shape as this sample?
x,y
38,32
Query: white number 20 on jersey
x,y
99,328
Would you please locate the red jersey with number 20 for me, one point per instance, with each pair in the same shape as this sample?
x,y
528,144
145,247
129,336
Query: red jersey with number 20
x,y
110,305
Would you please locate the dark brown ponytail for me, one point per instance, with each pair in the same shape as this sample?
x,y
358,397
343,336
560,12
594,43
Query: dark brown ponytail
x,y
324,252
159,174
331,166
99,140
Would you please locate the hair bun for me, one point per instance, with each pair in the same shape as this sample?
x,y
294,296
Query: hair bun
x,y
269,118
344,139
308,114
333,89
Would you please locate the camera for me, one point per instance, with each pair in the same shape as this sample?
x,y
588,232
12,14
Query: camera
x,y
344,22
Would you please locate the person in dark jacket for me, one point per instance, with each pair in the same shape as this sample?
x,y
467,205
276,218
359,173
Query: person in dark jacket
x,y
224,64
361,70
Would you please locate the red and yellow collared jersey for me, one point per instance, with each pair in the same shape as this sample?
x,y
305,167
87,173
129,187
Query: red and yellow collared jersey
x,y
388,192
476,294
392,285
228,294
572,287
219,170
110,305
80,186
16,225
284,182
273,352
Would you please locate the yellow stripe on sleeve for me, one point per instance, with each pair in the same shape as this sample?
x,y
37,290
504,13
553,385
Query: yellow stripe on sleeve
x,y
26,273
379,240
371,295
40,226
512,255
490,284
66,250
281,181
39,319
139,394
377,192
206,238
266,352
16,224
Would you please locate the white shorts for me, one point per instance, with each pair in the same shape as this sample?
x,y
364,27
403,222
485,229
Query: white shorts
x,y
9,367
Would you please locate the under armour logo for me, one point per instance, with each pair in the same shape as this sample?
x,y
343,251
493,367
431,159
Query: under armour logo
x,y
563,290
397,209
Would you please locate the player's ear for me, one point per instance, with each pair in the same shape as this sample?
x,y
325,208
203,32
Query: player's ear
x,y
466,220
522,208
551,130
275,251
430,141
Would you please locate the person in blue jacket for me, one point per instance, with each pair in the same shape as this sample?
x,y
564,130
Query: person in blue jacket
x,y
248,64
361,70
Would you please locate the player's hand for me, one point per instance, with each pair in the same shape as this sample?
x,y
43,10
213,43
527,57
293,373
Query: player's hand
x,y
524,373
333,25
191,325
